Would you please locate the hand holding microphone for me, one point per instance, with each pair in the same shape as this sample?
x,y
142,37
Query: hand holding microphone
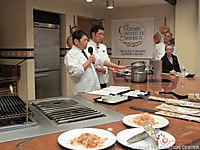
x,y
92,58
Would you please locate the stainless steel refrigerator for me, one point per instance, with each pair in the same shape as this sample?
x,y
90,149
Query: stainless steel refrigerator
x,y
47,60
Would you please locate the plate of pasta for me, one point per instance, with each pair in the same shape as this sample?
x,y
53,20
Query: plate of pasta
x,y
87,139
137,120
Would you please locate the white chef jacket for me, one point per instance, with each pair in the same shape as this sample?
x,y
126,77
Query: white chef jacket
x,y
160,51
100,52
82,80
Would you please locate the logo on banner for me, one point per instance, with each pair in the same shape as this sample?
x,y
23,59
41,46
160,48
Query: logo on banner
x,y
132,35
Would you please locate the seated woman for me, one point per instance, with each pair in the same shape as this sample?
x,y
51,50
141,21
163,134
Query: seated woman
x,y
170,62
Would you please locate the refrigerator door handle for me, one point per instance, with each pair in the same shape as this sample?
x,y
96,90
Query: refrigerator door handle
x,y
41,69
40,75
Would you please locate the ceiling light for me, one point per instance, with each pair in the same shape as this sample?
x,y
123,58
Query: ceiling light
x,y
110,4
89,1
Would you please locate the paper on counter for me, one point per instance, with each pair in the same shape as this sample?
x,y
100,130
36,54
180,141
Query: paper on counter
x,y
177,115
180,110
110,90
162,99
194,96
182,74
183,103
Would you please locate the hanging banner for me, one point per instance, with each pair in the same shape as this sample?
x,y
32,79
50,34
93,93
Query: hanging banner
x,y
133,37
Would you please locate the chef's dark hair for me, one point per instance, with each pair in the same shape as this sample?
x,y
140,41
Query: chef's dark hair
x,y
169,44
78,34
96,28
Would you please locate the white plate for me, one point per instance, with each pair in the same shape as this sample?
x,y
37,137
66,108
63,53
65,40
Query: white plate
x,y
165,140
162,122
65,137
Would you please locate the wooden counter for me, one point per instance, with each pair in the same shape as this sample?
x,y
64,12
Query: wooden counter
x,y
186,132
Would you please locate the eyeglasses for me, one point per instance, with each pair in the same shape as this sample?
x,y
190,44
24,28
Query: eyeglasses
x,y
169,48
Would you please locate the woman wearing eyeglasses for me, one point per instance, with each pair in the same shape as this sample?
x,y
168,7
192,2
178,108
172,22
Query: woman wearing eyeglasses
x,y
170,62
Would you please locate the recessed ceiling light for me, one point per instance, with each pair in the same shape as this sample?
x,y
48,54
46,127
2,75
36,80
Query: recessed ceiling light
x,y
89,1
109,4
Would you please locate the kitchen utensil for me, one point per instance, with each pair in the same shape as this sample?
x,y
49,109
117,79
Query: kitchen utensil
x,y
175,94
139,77
138,66
135,93
143,109
159,80
164,29
138,73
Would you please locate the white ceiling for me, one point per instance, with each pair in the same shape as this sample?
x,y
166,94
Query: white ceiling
x,y
118,3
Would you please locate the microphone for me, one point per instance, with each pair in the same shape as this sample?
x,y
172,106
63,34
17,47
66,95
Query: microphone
x,y
90,50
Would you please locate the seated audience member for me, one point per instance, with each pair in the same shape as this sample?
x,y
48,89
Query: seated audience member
x,y
170,62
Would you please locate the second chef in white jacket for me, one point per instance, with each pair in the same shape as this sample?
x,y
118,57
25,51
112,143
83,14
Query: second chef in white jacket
x,y
100,52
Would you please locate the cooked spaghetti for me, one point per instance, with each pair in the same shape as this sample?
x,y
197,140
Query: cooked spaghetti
x,y
139,120
88,140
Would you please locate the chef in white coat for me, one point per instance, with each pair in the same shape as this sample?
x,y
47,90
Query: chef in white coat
x,y
80,67
100,52
160,47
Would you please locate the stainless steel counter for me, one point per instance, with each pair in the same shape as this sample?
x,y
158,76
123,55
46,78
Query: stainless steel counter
x,y
42,125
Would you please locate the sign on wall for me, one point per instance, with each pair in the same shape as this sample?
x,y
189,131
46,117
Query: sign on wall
x,y
133,37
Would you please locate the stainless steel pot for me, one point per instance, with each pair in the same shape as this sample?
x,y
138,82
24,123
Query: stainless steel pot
x,y
138,66
139,76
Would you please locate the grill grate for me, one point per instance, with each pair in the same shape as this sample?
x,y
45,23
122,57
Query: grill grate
x,y
66,111
11,107
12,110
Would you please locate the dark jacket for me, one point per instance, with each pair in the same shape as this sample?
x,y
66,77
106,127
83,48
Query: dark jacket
x,y
167,66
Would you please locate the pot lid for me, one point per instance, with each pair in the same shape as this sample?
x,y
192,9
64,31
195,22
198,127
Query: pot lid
x,y
138,64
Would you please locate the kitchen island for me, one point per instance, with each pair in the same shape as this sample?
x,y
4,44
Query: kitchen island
x,y
186,132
